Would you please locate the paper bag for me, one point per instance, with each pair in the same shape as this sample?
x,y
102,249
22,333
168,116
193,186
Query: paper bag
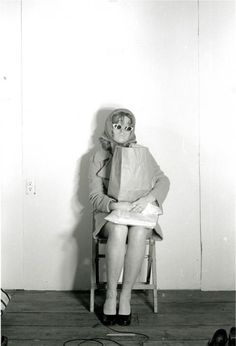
x,y
132,173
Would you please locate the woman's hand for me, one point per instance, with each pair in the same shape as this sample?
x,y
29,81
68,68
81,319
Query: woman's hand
x,y
141,203
127,206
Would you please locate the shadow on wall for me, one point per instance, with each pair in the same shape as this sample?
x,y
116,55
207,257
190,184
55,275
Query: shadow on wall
x,y
82,208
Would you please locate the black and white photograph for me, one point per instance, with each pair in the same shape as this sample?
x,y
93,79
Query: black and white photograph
x,y
118,166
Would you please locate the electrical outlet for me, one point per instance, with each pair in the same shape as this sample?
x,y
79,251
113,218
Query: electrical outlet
x,y
30,188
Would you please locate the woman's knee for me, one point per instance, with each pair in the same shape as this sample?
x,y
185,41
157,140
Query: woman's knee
x,y
116,232
138,232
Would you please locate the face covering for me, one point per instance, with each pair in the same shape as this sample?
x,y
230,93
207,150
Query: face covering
x,y
108,136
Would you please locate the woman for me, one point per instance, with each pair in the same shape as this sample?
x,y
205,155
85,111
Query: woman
x,y
120,130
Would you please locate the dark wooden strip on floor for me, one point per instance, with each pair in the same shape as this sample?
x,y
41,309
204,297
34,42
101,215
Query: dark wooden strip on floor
x,y
56,319
188,319
90,319
177,343
160,333
59,342
163,296
49,319
106,343
142,307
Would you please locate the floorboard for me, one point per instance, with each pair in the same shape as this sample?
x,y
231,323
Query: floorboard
x,y
53,317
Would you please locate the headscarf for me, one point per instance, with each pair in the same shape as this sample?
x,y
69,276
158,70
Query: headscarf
x,y
107,135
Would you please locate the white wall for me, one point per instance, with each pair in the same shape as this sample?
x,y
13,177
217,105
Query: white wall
x,y
217,135
80,59
11,145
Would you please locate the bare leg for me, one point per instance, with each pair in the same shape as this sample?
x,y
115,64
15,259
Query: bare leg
x,y
133,261
115,252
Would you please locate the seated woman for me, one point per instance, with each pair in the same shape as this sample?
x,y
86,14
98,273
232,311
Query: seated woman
x,y
120,130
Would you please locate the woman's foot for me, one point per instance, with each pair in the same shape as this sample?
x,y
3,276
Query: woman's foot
x,y
124,304
124,315
124,320
109,307
109,320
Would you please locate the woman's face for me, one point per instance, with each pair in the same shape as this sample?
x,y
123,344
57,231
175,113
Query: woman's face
x,y
122,130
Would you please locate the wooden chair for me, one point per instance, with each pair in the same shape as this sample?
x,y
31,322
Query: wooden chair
x,y
146,285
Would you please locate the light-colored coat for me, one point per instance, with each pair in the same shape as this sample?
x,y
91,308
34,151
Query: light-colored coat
x,y
99,173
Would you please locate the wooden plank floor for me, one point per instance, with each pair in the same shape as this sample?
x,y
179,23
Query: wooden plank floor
x,y
53,317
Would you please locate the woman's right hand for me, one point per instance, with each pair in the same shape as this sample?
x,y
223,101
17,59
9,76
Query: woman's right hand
x,y
121,206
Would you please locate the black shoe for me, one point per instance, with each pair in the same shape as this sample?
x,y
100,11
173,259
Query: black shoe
x,y
4,341
232,336
108,320
124,320
219,338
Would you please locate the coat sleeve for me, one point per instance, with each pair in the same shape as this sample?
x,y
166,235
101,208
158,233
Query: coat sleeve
x,y
99,200
161,185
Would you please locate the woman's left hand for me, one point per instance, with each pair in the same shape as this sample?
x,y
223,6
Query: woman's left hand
x,y
141,203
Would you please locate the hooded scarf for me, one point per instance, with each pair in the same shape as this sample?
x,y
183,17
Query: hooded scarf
x,y
107,134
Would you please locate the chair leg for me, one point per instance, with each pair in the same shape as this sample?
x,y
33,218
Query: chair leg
x,y
154,277
92,300
96,260
149,262
93,276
